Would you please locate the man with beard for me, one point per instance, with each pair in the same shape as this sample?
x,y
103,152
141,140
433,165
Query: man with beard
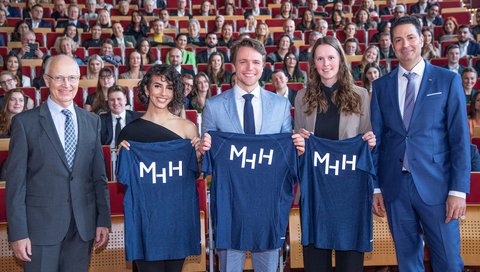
x,y
175,59
211,42
468,47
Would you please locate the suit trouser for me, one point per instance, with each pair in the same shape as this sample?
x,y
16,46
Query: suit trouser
x,y
317,259
410,219
72,254
263,261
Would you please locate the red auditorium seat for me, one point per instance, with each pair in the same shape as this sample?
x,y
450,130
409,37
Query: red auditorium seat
x,y
107,156
192,115
474,196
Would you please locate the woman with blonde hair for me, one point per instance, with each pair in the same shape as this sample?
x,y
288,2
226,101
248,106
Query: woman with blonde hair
x,y
333,108
104,19
262,34
14,103
94,65
200,93
372,54
67,46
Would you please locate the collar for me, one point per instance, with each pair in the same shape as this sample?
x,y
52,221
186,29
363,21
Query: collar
x,y
418,69
121,115
239,92
56,109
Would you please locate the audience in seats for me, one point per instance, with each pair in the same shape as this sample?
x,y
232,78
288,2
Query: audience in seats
x,y
227,35
14,103
188,87
292,69
20,27
429,50
262,34
138,26
121,40
250,24
219,21
91,12
450,30
73,12
13,64
371,55
469,79
59,10
279,81
188,57
39,82
421,7
174,57
338,20
200,93
158,37
389,8
468,47
385,46
72,32
349,31
181,9
27,10
94,65
371,72
104,19
107,54
255,8
3,18
307,22
363,20
8,82
10,10
165,17
194,37
211,42
433,17
65,45
95,40
474,115
306,54
352,47
283,47
97,102
101,4
206,8
149,9
37,20
453,55
134,67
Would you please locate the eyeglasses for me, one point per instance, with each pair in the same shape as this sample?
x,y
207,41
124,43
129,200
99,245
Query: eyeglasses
x,y
61,79
8,81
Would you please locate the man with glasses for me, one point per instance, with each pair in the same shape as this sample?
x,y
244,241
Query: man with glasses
x,y
57,194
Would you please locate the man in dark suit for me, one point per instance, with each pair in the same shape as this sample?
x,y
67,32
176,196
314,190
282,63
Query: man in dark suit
x,y
194,33
422,154
468,47
60,10
73,18
433,17
453,55
175,59
118,117
181,10
37,20
388,9
255,9
421,7
211,41
57,193
279,81
385,46
119,39
11,11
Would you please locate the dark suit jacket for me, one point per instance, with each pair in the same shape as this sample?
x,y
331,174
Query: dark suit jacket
x,y
127,38
291,96
187,71
79,24
55,15
92,43
437,139
13,12
385,11
175,13
391,54
42,192
460,68
262,12
2,40
438,21
42,24
473,48
202,57
106,134
416,8
304,55
475,157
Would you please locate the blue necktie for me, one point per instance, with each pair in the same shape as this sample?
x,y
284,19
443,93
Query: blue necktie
x,y
408,108
118,128
248,119
70,138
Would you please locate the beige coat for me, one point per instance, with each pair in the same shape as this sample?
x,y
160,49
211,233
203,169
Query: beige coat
x,y
350,124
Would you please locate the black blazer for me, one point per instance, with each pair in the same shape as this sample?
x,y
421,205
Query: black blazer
x,y
416,8
473,48
65,23
187,71
42,24
175,13
291,96
106,134
202,57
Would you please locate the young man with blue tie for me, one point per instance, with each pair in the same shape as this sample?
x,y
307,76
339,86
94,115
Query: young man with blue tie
x,y
422,154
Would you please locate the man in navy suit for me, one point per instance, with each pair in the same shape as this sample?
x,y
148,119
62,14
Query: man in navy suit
x,y
37,18
226,112
433,17
117,118
422,154
468,47
211,41
11,11
73,18
279,81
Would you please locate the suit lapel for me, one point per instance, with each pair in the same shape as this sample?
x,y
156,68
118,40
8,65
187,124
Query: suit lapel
x,y
266,106
47,124
230,106
82,126
108,124
425,85
394,95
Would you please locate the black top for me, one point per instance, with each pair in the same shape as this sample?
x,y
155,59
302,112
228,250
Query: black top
x,y
327,123
145,131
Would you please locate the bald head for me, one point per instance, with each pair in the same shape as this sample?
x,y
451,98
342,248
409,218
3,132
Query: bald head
x,y
56,62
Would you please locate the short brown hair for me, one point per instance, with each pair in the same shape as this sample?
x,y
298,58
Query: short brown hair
x,y
247,42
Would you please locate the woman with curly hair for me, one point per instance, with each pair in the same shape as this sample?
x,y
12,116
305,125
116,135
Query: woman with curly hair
x,y
14,103
262,34
216,70
97,102
200,93
308,21
161,90
332,107
292,70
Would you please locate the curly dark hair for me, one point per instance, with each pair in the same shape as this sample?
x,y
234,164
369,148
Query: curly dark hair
x,y
344,98
171,75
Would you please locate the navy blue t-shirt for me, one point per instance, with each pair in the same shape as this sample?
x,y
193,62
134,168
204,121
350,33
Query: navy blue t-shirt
x,y
337,188
252,188
162,219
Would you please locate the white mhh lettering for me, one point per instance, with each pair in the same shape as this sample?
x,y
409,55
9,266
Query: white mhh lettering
x,y
318,159
253,159
163,173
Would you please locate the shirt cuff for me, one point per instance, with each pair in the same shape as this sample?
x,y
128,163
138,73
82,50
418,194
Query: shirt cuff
x,y
457,193
377,191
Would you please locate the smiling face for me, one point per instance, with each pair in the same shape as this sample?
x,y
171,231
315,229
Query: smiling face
x,y
160,92
12,64
327,63
427,37
71,31
284,43
227,32
66,47
181,42
449,27
372,74
117,102
106,80
290,60
135,59
248,67
469,79
94,66
96,32
62,92
16,103
7,82
144,47
371,55
407,45
216,62
202,85
279,80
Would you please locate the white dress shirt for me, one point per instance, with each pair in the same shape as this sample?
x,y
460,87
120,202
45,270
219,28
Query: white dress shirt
x,y
123,122
59,119
256,104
